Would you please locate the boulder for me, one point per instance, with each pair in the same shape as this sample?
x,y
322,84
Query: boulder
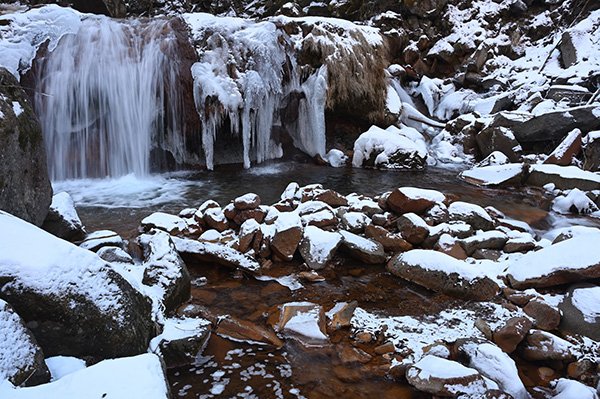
x,y
391,242
247,201
21,359
248,231
318,246
323,218
367,251
181,341
288,233
591,151
512,333
495,175
411,199
563,177
492,239
331,198
571,95
581,311
568,149
412,228
567,389
114,254
474,215
208,252
215,219
72,301
545,317
163,221
543,346
442,273
25,189
62,219
355,222
500,139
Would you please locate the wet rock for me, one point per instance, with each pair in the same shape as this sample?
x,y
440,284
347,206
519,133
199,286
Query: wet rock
x,y
102,238
241,330
164,269
591,151
25,189
207,252
410,199
248,201
412,228
304,320
391,242
442,273
568,149
363,249
287,236
62,219
512,333
349,355
499,139
545,317
181,341
114,254
492,239
581,311
22,360
543,346
163,221
443,377
341,315
472,214
318,246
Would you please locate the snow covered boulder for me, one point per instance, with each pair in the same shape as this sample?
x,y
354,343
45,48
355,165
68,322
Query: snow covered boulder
x,y
443,273
62,219
412,228
208,252
442,377
492,239
575,201
181,341
365,250
563,177
164,269
568,149
288,233
140,376
159,220
581,311
569,261
472,214
569,389
247,201
391,148
318,246
412,199
543,346
498,139
21,359
73,301
495,175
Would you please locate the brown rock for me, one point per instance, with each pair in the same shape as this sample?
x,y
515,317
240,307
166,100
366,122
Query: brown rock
x,y
238,329
455,250
342,317
257,214
285,241
214,218
331,198
391,242
363,249
248,201
350,354
388,347
512,333
543,346
544,316
412,228
442,377
402,201
364,337
568,149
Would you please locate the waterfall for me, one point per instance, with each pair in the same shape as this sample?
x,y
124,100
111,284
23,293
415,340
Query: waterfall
x,y
106,95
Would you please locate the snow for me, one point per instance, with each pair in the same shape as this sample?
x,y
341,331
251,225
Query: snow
x,y
17,349
569,389
55,267
318,217
290,191
440,262
587,301
493,174
221,252
322,243
165,221
305,323
432,366
336,158
575,200
387,143
61,366
17,108
179,328
101,238
62,204
291,282
393,101
421,193
211,235
131,377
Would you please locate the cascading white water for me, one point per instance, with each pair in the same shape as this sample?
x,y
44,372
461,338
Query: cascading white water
x,y
105,95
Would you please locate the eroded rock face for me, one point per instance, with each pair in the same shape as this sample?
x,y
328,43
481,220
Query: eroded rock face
x,y
25,189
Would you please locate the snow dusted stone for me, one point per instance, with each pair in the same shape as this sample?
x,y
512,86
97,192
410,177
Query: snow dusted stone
x,y
140,376
450,246
591,151
331,198
318,246
541,345
247,201
242,330
164,269
412,228
442,273
492,239
114,254
569,389
454,229
495,175
363,249
163,221
215,253
336,158
311,206
545,316
181,341
364,204
288,233
411,199
248,231
323,218
496,158
73,301
390,148
62,219
575,201
581,311
355,222
496,365
472,214
563,177
303,319
215,218
568,149
499,139
522,243
340,316
568,261
442,377
391,242
512,333
21,359
101,238
290,192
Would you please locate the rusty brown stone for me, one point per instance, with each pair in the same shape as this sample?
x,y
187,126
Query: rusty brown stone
x,y
514,330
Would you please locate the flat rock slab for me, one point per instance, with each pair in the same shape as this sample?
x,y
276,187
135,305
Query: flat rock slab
x,y
563,177
495,175
215,253
443,273
363,249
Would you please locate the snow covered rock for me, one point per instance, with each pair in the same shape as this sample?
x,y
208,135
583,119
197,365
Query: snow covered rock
x,y
336,158
391,242
163,221
365,250
591,151
581,311
442,273
568,261
21,359
545,316
442,377
569,148
511,333
197,251
472,214
247,201
215,219
101,238
164,269
303,319
355,222
495,175
331,198
181,340
563,177
74,302
391,148
249,232
412,228
575,201
541,345
499,139
62,219
567,389
411,199
287,236
318,246
114,254
492,239
140,376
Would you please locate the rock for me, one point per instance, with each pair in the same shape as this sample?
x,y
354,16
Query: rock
x,y
441,377
324,218
566,389
575,201
196,251
450,246
563,177
164,269
355,222
305,320
520,244
215,219
349,355
257,214
341,315
565,262
388,347
73,302
318,246
543,346
114,254
391,242
492,239
500,139
248,231
545,317
442,273
512,333
101,238
581,311
474,215
62,219
181,340
288,233
331,198
248,201
363,249
568,49
568,149
487,254
21,359
416,200
495,175
436,214
453,229
242,330
163,221
591,151
25,189
412,228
